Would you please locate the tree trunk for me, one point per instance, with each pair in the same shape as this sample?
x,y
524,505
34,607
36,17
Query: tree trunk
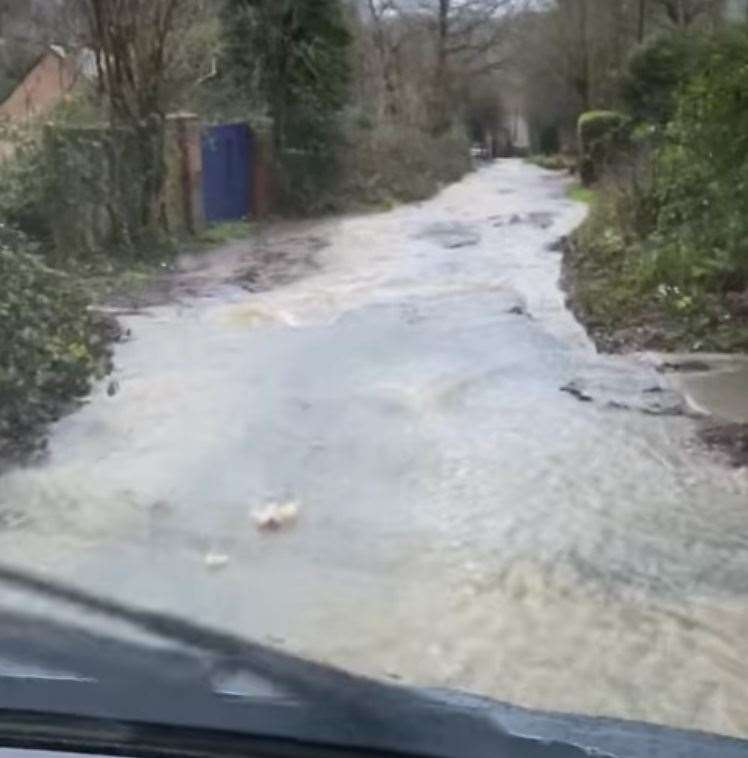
x,y
442,88
388,64
583,80
681,13
642,21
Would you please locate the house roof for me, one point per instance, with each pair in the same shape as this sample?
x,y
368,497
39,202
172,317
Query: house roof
x,y
17,58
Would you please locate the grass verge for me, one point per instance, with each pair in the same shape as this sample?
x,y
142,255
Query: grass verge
x,y
225,231
624,310
581,194
557,162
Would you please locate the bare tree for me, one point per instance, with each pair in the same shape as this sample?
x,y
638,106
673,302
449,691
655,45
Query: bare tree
x,y
132,42
428,51
389,34
641,21
685,13
571,57
470,37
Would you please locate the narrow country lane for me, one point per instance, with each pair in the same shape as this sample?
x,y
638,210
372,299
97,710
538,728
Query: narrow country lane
x,y
462,521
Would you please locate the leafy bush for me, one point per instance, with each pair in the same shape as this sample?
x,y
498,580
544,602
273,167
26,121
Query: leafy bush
x,y
622,309
656,71
82,192
399,163
305,181
107,190
24,182
702,186
602,135
49,347
595,126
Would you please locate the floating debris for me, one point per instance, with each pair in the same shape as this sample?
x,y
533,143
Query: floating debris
x,y
275,516
215,560
520,310
575,390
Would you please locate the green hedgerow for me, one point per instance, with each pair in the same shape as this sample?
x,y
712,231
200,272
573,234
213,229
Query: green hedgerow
x,y
50,347
702,186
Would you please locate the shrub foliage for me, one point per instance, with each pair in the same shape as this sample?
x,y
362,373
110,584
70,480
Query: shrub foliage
x,y
50,346
655,74
703,174
602,136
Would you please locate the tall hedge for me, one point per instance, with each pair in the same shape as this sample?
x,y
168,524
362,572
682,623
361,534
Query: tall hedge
x,y
702,183
657,71
602,134
50,347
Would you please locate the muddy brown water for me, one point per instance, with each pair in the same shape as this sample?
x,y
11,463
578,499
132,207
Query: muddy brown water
x,y
462,522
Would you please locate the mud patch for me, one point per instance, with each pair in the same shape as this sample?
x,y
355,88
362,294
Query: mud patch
x,y
255,265
272,267
730,440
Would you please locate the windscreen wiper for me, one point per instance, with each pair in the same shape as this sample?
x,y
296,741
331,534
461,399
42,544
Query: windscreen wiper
x,y
176,686
134,699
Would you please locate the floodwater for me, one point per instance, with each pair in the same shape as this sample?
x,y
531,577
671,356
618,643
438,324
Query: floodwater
x,y
462,521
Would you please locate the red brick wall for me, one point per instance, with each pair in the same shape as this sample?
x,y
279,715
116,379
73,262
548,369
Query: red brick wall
x,y
41,90
261,175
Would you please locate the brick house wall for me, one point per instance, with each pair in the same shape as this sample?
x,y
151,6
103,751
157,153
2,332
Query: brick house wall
x,y
42,88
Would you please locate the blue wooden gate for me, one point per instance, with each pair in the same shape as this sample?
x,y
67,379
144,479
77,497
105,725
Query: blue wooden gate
x,y
228,157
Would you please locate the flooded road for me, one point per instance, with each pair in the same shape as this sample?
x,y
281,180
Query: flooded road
x,y
463,522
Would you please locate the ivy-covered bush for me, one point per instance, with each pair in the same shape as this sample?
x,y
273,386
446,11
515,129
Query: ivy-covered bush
x,y
24,182
602,135
102,186
702,185
50,347
80,192
655,74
